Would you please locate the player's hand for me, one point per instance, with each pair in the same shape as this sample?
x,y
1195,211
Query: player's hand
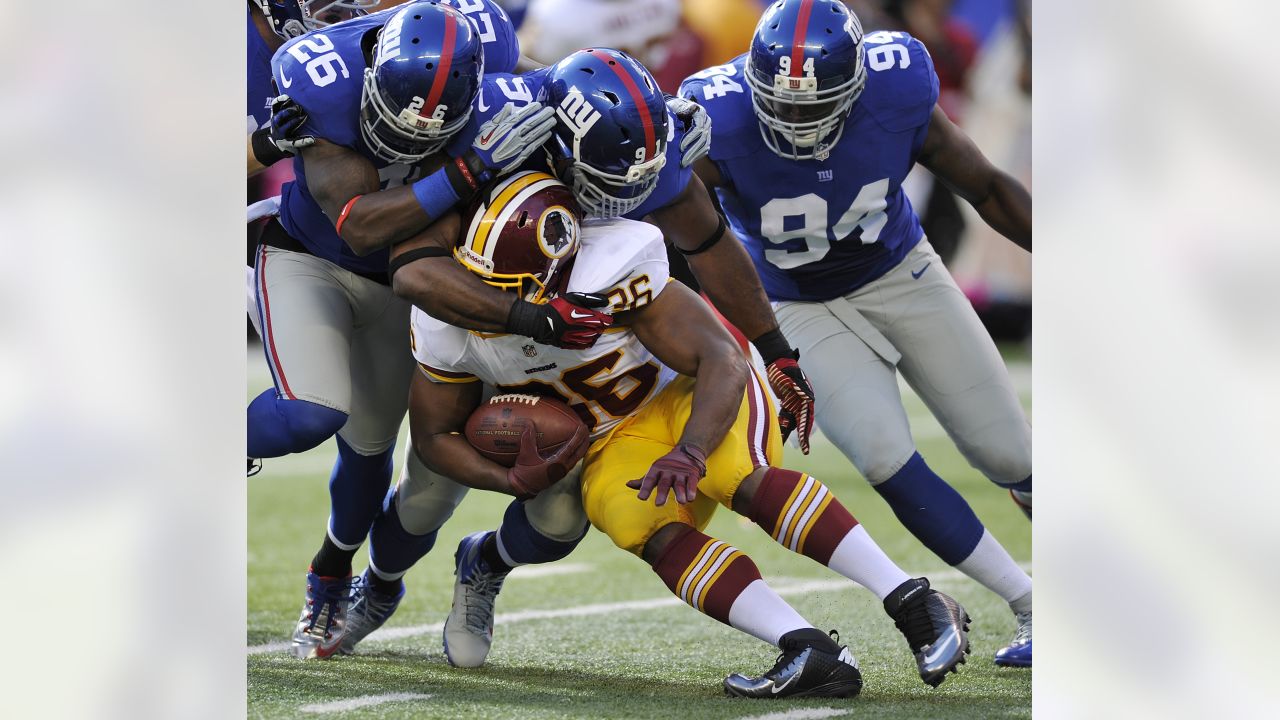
x,y
678,471
533,473
569,321
796,394
287,119
511,136
697,129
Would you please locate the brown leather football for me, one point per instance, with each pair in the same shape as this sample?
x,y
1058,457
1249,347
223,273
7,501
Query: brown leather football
x,y
494,428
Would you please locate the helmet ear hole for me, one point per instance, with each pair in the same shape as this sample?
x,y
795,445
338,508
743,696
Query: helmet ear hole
x,y
610,96
523,220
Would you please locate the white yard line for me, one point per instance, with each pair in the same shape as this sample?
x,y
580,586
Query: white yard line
x,y
783,585
800,714
528,572
363,702
399,633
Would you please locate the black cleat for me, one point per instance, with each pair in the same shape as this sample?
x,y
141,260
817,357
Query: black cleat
x,y
255,467
811,665
935,625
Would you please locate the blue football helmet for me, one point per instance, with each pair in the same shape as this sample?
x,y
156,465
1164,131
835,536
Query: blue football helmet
x,y
291,18
805,69
611,133
425,74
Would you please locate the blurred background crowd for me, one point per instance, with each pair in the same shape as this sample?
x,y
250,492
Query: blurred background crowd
x,y
981,50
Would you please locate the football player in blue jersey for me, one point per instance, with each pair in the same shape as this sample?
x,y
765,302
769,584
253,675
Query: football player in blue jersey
x,y
624,151
382,94
272,119
813,131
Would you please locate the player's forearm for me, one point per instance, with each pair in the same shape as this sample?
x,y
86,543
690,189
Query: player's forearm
x,y
729,278
1007,209
452,456
255,166
717,393
443,289
380,219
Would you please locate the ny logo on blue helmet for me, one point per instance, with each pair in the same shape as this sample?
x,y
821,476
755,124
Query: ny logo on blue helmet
x,y
291,18
612,134
426,71
805,70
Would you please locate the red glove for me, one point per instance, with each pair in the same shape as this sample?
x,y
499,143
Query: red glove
x,y
792,388
568,321
680,469
533,473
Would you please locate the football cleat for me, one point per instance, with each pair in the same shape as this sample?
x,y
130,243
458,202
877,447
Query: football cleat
x,y
323,623
255,467
811,665
1025,507
1018,652
468,631
935,625
370,609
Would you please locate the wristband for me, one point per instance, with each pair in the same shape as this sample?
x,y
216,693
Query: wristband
x,y
710,241
526,319
773,346
265,151
435,193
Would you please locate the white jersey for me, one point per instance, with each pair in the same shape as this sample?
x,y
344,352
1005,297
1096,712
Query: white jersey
x,y
622,259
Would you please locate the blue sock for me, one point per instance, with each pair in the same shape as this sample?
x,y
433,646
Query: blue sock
x,y
278,427
520,543
932,511
356,489
392,549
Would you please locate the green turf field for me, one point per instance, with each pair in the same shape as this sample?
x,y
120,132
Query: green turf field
x,y
563,648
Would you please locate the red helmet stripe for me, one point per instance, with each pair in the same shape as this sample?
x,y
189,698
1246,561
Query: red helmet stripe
x,y
645,119
797,43
442,74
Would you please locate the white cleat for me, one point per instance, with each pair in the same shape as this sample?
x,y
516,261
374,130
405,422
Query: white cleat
x,y
468,631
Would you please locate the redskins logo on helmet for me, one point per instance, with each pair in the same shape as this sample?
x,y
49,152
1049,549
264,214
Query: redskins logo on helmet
x,y
522,235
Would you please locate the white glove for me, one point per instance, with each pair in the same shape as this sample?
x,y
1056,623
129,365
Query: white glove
x,y
511,136
697,129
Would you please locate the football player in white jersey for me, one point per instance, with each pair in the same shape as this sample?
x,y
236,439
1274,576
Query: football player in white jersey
x,y
671,410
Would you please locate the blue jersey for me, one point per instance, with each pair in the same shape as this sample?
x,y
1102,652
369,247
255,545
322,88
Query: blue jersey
x,y
260,91
323,71
821,229
500,89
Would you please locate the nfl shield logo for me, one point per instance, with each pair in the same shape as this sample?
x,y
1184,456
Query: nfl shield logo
x,y
530,351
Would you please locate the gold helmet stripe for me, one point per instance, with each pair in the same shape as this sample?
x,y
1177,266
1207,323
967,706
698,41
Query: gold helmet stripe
x,y
480,240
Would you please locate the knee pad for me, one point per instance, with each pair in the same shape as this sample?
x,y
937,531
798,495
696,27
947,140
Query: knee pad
x,y
280,427
425,499
1005,458
557,512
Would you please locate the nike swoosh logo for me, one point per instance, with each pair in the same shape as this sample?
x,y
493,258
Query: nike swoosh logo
x,y
779,688
574,314
944,645
480,104
915,275
284,81
484,139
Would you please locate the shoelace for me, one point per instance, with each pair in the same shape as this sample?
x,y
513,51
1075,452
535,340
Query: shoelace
x,y
1023,635
915,623
379,603
484,587
328,597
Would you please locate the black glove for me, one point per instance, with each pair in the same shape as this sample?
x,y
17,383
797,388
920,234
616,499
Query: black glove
x,y
279,139
568,321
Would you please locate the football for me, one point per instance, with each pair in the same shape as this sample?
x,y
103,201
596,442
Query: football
x,y
494,428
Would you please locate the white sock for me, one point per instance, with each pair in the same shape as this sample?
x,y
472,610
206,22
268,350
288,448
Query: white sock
x,y
759,612
990,565
860,559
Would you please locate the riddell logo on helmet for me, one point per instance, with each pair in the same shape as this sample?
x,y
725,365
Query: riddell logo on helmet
x,y
389,41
